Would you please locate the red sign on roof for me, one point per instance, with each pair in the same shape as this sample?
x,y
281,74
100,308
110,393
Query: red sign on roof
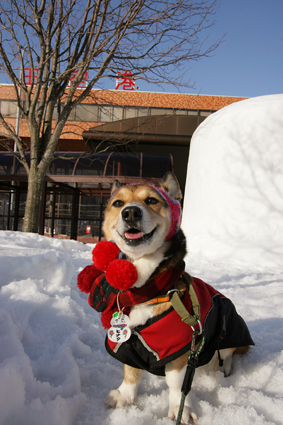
x,y
28,77
125,80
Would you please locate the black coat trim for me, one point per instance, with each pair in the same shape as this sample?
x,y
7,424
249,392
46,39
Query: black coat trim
x,y
223,328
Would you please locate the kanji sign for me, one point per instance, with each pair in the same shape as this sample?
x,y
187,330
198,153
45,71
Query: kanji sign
x,y
83,83
28,77
125,80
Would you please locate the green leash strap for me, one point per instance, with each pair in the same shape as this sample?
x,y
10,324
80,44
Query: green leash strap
x,y
190,320
189,375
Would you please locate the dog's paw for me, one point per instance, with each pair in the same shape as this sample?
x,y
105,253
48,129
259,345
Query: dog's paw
x,y
188,416
124,396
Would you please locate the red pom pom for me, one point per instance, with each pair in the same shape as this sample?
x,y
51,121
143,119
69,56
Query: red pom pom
x,y
103,253
106,319
121,274
86,278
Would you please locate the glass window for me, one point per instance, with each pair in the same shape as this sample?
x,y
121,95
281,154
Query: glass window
x,y
61,229
4,203
181,112
63,206
130,112
105,113
85,112
192,112
117,113
22,204
8,109
142,112
89,207
161,111
205,113
4,223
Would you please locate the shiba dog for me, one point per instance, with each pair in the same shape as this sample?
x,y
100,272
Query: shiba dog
x,y
143,220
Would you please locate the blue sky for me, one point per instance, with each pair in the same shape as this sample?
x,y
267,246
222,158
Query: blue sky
x,y
250,60
248,63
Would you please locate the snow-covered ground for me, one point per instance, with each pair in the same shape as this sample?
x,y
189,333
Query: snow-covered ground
x,y
54,369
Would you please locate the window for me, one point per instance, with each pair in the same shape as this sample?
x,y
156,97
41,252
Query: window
x,y
192,112
86,112
181,112
9,109
161,111
142,112
130,112
117,113
205,113
105,113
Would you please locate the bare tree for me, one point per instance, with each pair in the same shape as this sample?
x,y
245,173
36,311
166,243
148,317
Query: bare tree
x,y
60,40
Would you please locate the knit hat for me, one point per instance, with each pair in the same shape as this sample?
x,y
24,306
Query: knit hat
x,y
175,212
174,206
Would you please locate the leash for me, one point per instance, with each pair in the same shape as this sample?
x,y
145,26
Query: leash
x,y
190,372
191,320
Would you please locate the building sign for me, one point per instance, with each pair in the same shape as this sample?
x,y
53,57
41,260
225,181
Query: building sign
x,y
88,229
125,81
83,83
28,75
28,78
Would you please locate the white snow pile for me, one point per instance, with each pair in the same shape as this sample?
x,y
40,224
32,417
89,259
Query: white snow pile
x,y
234,192
54,369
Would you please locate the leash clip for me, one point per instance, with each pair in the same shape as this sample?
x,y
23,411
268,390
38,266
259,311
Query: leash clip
x,y
172,290
199,331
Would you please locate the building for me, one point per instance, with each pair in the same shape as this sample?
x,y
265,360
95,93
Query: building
x,y
130,135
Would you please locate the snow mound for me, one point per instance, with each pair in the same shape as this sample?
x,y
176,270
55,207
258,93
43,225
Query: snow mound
x,y
233,206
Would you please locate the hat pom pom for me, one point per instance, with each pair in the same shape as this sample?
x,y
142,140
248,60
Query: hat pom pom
x,y
121,274
103,253
86,278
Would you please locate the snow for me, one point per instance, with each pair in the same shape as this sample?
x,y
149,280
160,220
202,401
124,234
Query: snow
x,y
233,204
54,369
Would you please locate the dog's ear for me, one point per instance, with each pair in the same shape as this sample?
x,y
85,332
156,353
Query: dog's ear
x,y
170,184
115,186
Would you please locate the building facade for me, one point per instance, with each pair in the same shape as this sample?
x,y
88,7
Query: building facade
x,y
129,135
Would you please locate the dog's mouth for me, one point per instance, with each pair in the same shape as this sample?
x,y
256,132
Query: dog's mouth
x,y
135,236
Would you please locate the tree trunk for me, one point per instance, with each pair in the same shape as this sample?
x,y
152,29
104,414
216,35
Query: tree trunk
x,y
33,202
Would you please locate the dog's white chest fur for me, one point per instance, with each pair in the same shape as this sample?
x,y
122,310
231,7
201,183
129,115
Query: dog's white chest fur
x,y
139,315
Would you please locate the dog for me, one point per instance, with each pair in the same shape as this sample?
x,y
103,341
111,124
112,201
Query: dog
x,y
143,221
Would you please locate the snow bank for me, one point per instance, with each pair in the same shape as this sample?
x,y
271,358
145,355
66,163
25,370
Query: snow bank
x,y
54,369
233,206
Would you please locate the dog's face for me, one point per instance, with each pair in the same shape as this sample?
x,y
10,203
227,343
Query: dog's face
x,y
137,217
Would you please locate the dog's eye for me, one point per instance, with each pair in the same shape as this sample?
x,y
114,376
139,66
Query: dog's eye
x,y
118,203
151,201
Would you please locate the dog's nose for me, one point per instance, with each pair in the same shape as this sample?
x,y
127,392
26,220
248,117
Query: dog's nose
x,y
132,214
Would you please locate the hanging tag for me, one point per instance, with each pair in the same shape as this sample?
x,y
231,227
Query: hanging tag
x,y
119,331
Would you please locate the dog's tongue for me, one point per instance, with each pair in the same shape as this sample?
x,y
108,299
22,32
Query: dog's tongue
x,y
136,235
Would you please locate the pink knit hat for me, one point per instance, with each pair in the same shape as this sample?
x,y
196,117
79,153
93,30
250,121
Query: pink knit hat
x,y
175,212
174,206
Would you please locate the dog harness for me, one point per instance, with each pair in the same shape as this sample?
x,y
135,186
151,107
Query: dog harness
x,y
166,337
